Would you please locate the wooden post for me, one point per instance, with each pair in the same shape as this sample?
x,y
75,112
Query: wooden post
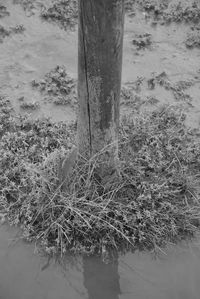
x,y
101,25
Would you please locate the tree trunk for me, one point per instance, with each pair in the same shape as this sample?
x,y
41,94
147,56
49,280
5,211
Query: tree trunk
x,y
101,25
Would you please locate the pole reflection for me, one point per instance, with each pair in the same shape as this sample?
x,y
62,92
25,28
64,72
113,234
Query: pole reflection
x,y
101,280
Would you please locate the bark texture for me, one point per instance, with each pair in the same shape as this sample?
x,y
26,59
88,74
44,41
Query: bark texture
x,y
101,25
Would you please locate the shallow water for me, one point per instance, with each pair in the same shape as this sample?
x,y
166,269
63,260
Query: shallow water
x,y
25,275
30,55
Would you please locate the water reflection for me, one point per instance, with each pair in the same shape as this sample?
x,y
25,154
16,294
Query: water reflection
x,y
101,280
24,275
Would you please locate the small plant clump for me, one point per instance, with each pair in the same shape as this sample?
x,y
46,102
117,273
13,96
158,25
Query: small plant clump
x,y
152,100
61,100
3,12
130,99
130,7
28,5
178,88
3,33
155,6
63,13
130,94
7,32
30,105
18,29
57,86
151,200
193,40
142,41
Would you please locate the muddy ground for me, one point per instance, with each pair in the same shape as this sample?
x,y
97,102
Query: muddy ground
x,y
38,58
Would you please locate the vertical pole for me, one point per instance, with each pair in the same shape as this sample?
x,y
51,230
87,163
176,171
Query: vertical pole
x,y
101,24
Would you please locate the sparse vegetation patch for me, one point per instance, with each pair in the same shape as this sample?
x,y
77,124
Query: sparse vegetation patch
x,y
63,13
30,105
183,12
178,89
3,33
142,41
29,5
3,11
12,30
193,40
58,87
167,11
130,99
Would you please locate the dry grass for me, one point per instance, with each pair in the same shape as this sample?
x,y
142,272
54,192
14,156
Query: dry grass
x,y
153,199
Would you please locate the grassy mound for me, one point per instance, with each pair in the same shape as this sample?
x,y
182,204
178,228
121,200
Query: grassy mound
x,y
153,200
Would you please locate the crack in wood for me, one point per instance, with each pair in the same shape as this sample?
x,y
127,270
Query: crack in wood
x,y
87,84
